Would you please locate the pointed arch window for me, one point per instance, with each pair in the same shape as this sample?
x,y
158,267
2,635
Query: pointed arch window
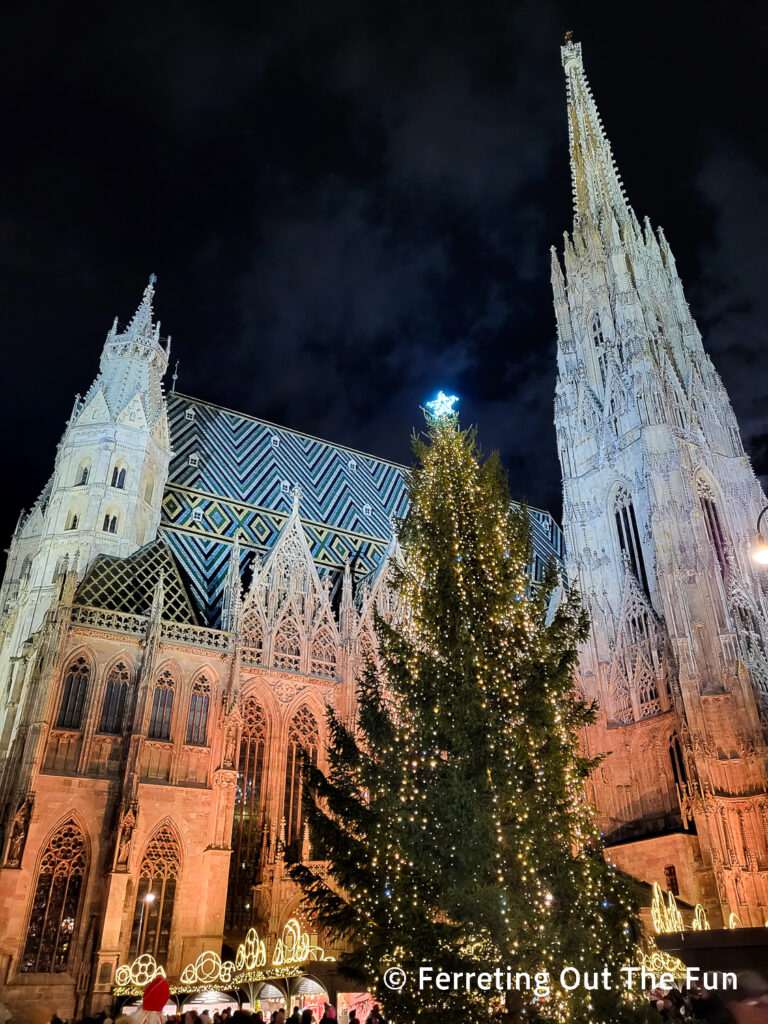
x,y
598,339
287,647
715,530
115,696
83,473
629,536
162,706
197,723
73,697
303,735
677,761
246,823
118,477
158,877
73,521
56,903
323,654
110,524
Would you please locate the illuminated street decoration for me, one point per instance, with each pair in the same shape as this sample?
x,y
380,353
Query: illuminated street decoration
x,y
657,962
442,405
666,917
250,965
138,974
700,922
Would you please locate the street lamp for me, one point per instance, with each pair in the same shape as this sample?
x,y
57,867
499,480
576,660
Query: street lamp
x,y
760,550
146,900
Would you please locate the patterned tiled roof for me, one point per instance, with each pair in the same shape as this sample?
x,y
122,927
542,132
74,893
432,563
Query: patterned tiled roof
x,y
235,474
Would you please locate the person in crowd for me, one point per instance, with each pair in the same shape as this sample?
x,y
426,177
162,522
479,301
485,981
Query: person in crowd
x,y
353,1019
375,1017
329,1014
295,1017
748,1002
307,1016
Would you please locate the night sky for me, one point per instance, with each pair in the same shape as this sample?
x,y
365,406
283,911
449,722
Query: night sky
x,y
350,205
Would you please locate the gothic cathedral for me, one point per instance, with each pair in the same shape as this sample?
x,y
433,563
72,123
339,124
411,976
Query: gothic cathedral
x,y
195,586
660,510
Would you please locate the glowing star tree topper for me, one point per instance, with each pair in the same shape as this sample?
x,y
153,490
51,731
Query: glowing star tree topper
x,y
442,405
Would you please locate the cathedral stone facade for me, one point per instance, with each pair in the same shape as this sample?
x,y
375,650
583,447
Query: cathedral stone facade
x,y
660,511
195,586
191,591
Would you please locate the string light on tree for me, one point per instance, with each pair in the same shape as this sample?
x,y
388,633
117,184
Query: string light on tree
x,y
453,817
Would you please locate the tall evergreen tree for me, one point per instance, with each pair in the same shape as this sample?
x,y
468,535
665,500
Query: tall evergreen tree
x,y
453,816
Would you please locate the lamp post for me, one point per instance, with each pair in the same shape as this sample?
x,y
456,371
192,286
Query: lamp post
x,y
760,550
146,900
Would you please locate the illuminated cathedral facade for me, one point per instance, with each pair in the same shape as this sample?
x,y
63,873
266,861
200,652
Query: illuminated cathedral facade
x,y
659,514
195,586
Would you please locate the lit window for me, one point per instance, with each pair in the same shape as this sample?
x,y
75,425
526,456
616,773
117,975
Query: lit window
x,y
56,903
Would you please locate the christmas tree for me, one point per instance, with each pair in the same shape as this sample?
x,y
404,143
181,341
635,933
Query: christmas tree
x,y
453,818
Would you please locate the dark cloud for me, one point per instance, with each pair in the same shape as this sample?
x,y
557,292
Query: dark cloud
x,y
350,205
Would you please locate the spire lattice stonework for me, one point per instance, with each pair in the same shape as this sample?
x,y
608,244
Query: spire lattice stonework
x,y
659,503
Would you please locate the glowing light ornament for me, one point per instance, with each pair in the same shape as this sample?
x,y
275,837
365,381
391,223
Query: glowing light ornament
x,y
442,405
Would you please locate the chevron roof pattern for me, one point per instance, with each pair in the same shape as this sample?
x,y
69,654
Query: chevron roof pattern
x,y
233,474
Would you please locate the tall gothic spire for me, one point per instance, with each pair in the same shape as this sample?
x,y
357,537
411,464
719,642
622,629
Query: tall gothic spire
x,y
597,186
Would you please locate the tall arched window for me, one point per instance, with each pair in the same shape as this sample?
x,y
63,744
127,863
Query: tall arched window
x,y
56,903
73,697
158,875
110,523
73,521
599,342
287,647
677,761
715,530
303,735
246,823
629,535
83,473
162,705
113,709
197,723
118,476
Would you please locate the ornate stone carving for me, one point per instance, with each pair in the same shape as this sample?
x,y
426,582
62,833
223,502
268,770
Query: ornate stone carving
x,y
17,836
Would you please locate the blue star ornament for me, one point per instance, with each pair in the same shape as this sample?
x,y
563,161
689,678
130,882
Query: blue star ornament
x,y
442,405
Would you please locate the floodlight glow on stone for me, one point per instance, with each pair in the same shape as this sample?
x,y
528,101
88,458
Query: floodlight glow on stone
x,y
442,405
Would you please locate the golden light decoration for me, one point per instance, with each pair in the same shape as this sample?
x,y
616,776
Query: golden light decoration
x,y
700,922
209,970
252,953
143,970
734,921
658,962
666,917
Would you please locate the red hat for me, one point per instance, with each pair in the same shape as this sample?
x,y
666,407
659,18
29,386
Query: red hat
x,y
156,995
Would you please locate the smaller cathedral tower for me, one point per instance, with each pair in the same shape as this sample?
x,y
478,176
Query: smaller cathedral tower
x,y
105,494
